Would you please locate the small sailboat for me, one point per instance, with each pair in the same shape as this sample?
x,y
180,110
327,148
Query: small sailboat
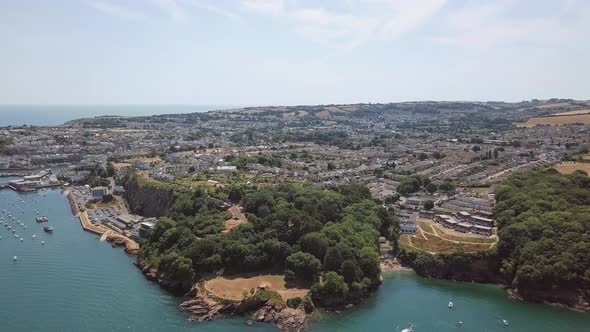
x,y
410,328
505,322
451,305
459,323
21,239
34,236
42,242
14,258
48,229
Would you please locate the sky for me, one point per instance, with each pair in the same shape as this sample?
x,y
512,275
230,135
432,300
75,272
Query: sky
x,y
291,52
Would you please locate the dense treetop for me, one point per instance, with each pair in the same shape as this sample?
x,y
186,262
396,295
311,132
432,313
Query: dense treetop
x,y
544,229
324,238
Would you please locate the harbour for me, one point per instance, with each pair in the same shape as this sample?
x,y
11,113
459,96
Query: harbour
x,y
74,282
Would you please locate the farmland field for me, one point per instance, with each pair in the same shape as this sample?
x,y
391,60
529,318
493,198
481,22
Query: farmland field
x,y
568,167
557,120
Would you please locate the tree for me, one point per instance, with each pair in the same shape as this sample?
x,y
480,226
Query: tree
x,y
107,198
314,243
391,199
176,268
438,155
111,171
349,271
428,204
446,186
235,194
431,187
304,266
332,292
476,148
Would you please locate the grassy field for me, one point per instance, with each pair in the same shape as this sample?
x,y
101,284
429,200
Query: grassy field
x,y
433,238
233,287
437,245
118,166
449,234
568,167
556,120
144,159
574,112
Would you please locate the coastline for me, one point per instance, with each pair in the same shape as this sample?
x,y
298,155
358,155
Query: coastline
x,y
131,247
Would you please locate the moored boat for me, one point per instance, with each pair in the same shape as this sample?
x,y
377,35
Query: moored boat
x,y
48,229
41,219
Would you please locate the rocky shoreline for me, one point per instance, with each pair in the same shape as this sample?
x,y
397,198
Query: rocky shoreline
x,y
566,301
202,306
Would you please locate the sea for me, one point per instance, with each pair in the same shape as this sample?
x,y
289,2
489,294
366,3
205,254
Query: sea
x,y
51,115
74,282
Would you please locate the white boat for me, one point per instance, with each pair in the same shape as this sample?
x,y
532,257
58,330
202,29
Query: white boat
x,y
408,329
34,236
505,322
459,323
21,239
42,242
14,258
451,305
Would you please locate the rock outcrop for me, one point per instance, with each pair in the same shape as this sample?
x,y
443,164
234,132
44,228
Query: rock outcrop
x,y
145,198
287,319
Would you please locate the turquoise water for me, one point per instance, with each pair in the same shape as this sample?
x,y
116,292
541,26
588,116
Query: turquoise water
x,y
76,283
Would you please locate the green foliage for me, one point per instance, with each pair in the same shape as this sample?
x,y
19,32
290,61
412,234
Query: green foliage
x,y
412,184
544,230
294,302
107,198
332,292
266,160
304,266
176,267
289,226
428,204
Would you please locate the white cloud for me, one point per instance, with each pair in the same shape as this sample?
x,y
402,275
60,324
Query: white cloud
x,y
487,26
172,8
358,22
116,10
208,6
269,7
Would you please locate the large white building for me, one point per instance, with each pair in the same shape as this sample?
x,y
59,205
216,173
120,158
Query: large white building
x,y
98,192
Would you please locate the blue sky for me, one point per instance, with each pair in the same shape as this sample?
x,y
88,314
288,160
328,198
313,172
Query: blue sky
x,y
285,52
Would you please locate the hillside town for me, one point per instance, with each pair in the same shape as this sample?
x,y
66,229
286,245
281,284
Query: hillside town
x,y
434,162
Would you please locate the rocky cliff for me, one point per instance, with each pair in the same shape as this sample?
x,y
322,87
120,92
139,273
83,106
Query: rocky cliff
x,y
147,198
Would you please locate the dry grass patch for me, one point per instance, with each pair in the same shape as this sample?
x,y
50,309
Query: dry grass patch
x,y
144,160
555,105
118,166
452,235
237,218
586,111
568,167
233,287
438,245
556,120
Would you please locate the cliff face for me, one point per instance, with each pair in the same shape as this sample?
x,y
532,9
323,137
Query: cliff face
x,y
146,199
